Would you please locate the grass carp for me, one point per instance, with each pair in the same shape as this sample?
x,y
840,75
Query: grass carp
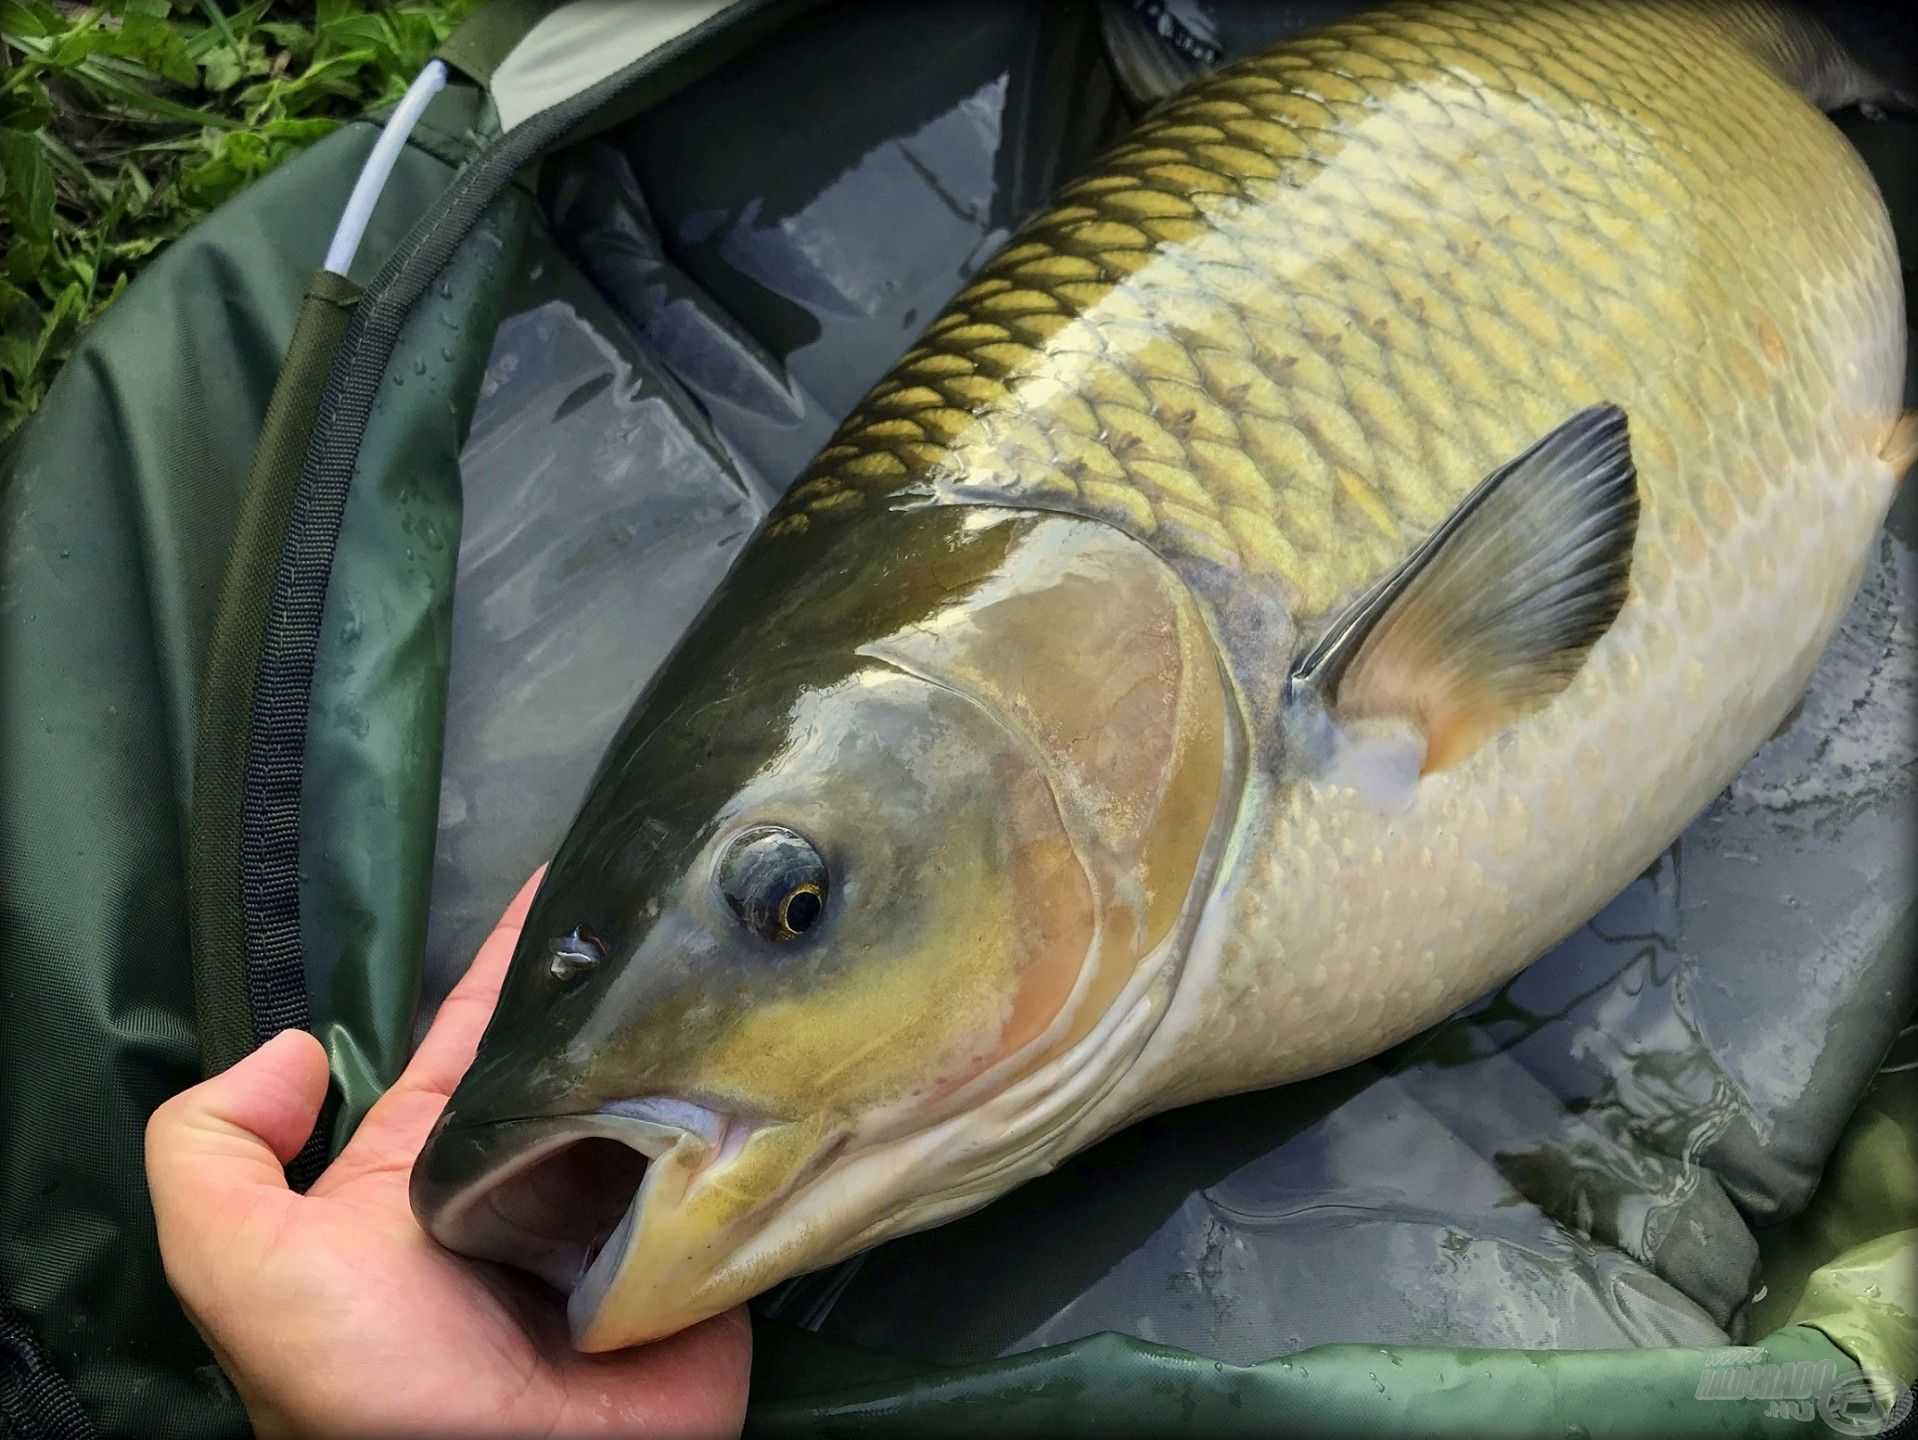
x,y
1313,567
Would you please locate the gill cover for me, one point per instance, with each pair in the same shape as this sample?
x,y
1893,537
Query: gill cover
x,y
880,850
1090,650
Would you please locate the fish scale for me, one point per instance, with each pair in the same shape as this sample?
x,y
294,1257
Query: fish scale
x,y
1374,262
1282,329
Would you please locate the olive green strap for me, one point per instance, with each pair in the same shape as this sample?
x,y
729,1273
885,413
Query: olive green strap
x,y
215,915
477,47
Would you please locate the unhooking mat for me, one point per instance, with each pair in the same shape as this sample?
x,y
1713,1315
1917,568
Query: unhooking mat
x,y
1581,1160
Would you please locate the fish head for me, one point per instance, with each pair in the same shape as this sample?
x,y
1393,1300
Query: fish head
x,y
853,923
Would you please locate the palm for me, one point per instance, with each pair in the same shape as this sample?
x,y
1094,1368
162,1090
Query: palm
x,y
476,1346
335,1312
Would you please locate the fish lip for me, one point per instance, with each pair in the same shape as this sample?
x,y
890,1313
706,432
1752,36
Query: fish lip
x,y
467,1167
722,1136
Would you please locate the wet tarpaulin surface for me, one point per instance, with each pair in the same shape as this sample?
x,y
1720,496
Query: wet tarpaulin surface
x,y
1581,1160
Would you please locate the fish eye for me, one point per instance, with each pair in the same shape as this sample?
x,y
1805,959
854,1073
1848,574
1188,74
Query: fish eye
x,y
774,881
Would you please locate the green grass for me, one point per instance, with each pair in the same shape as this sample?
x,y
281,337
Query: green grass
x,y
121,125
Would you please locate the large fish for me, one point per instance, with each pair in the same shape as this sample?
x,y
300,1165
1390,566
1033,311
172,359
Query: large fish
x,y
1312,568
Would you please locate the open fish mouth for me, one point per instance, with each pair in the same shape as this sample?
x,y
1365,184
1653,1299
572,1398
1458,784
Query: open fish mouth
x,y
561,1197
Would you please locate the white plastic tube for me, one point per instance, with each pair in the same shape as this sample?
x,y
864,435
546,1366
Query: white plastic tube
x,y
379,165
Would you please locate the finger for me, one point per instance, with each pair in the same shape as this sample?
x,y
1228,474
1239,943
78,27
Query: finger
x,y
447,1050
212,1147
388,1140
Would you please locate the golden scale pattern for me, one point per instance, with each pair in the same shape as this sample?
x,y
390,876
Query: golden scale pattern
x,y
1309,302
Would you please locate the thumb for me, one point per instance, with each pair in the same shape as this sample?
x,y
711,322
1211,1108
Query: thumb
x,y
215,1148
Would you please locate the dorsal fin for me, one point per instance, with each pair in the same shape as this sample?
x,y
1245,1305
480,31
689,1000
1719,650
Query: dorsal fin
x,y
1493,612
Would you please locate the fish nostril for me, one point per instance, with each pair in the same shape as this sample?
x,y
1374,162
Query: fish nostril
x,y
576,952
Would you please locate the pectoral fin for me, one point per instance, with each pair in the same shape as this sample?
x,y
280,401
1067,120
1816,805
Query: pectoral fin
x,y
1900,447
1493,613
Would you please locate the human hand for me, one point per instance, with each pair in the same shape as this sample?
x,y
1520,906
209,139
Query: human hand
x,y
335,1314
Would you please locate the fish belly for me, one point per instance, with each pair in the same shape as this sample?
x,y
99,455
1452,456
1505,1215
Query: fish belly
x,y
1280,331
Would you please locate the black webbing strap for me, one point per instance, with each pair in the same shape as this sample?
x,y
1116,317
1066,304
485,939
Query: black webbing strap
x,y
222,999
36,1402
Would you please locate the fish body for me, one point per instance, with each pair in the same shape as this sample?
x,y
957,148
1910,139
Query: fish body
x,y
1024,664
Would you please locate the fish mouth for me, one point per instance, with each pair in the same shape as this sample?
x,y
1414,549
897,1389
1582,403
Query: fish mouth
x,y
564,1197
